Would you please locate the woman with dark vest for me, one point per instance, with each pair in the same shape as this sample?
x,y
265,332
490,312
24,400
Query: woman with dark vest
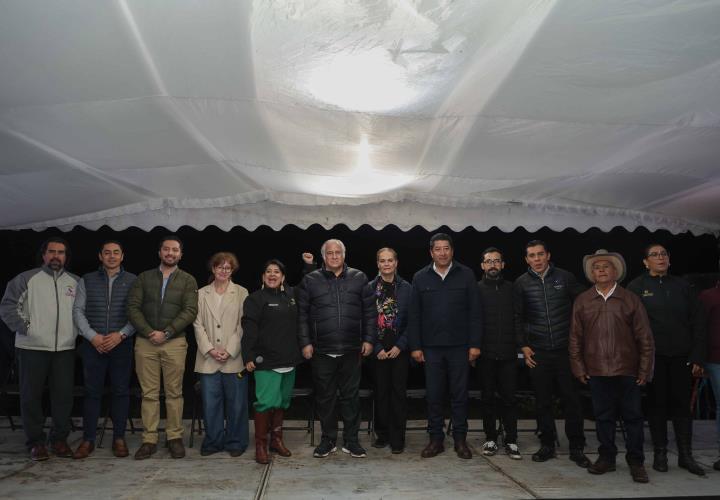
x,y
271,349
390,353
678,326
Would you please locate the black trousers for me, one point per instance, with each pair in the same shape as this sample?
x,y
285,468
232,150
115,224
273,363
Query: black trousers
x,y
333,376
446,368
613,397
35,370
390,398
669,395
553,372
499,376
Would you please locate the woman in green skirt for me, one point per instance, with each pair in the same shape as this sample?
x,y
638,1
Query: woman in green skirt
x,y
270,348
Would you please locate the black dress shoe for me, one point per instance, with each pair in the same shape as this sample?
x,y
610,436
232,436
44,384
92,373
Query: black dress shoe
x,y
432,449
660,461
577,456
380,443
544,454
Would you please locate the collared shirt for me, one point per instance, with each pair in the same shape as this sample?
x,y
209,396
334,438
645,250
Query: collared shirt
x,y
606,296
442,275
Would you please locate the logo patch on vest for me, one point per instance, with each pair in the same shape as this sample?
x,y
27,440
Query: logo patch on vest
x,y
647,293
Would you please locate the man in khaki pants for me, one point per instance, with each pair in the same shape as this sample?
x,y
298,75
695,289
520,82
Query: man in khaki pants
x,y
162,303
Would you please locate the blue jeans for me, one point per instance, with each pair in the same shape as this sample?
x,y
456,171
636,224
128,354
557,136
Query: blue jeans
x,y
713,369
118,365
225,396
446,368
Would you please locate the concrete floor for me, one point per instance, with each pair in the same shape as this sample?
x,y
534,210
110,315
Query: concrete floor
x,y
381,475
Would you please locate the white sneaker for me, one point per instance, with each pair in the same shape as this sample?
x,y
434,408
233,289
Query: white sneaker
x,y
489,448
513,451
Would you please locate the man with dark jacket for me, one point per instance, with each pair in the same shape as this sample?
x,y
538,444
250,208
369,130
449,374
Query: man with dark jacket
x,y
162,303
336,328
611,350
444,332
498,362
543,299
100,314
37,306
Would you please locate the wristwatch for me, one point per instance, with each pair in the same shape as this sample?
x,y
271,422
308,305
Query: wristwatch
x,y
123,336
167,334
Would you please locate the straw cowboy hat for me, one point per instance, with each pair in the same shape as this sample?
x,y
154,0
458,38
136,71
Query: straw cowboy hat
x,y
614,258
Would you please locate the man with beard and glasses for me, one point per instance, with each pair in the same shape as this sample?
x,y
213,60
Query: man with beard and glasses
x,y
37,306
162,303
498,361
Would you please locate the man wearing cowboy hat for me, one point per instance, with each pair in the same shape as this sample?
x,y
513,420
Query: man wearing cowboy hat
x,y
612,351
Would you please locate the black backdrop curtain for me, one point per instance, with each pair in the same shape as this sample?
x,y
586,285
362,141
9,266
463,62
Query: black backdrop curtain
x,y
690,255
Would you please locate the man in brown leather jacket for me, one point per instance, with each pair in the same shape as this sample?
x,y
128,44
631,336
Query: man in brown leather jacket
x,y
612,350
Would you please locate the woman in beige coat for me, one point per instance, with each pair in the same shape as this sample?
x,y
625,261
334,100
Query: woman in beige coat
x,y
219,361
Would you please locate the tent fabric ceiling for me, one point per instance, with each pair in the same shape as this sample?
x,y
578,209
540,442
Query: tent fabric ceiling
x,y
565,113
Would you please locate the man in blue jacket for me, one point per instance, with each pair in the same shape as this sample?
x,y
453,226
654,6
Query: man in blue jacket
x,y
444,332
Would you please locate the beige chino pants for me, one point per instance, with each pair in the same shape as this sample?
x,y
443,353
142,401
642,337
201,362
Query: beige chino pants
x,y
151,362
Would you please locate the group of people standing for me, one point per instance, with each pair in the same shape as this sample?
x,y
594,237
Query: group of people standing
x,y
611,339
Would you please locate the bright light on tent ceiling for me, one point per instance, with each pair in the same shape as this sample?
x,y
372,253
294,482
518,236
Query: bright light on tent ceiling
x,y
368,81
364,180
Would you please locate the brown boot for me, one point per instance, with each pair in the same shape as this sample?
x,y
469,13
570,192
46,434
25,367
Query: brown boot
x,y
276,442
262,424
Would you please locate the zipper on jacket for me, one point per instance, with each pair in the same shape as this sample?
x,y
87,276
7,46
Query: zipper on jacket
x,y
57,310
547,313
337,296
107,303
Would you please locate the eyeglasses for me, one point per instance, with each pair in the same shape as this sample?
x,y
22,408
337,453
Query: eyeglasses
x,y
224,269
489,262
658,254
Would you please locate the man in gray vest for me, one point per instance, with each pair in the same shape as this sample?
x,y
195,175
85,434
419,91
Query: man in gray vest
x,y
100,313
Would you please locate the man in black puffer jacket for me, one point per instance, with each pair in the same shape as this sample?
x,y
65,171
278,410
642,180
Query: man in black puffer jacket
x,y
337,321
498,361
543,300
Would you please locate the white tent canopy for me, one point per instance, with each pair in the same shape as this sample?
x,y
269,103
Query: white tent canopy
x,y
566,113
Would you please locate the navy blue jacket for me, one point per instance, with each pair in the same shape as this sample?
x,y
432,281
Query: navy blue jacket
x,y
445,313
403,293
